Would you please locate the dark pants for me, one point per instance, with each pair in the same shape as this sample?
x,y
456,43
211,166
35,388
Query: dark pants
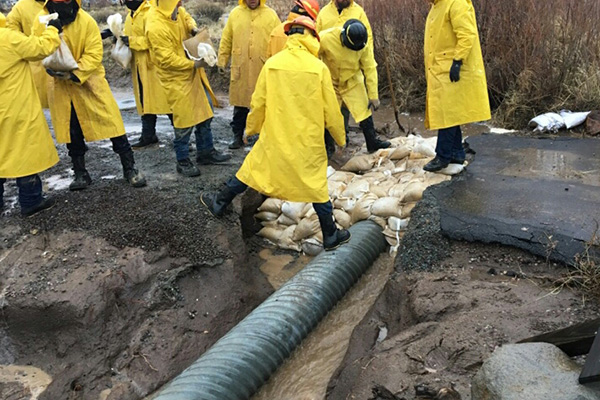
x,y
30,191
238,124
77,147
329,142
238,187
449,144
148,120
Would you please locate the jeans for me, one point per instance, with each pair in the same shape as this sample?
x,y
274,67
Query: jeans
x,y
449,144
238,124
238,187
30,191
77,147
204,136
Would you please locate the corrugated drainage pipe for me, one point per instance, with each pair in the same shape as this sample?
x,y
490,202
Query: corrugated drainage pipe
x,y
244,359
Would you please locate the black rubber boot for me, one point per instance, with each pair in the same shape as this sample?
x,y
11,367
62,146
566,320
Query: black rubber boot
x,y
435,165
132,175
216,202
330,144
211,157
238,141
82,179
148,137
45,204
373,142
332,236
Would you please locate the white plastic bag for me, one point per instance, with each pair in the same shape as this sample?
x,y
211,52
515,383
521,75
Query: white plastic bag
x,y
120,52
61,60
549,122
573,119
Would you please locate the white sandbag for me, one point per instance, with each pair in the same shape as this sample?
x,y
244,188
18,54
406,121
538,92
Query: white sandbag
x,y
398,224
284,220
573,119
115,24
378,220
549,122
356,189
387,207
271,205
121,54
399,153
452,169
44,19
266,216
341,176
362,209
285,240
345,203
386,165
424,148
271,234
306,228
336,188
342,218
407,209
61,60
414,192
330,171
360,163
293,210
312,247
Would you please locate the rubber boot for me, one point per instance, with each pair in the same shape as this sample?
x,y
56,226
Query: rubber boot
x,y
135,178
238,141
330,144
82,179
373,142
148,137
332,236
216,202
45,204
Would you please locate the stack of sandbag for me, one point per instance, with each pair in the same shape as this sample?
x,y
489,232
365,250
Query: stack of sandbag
x,y
383,187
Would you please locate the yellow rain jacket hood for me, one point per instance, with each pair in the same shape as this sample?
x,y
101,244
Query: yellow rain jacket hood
x,y
96,108
245,41
354,73
329,17
186,88
448,103
20,18
26,146
293,103
142,69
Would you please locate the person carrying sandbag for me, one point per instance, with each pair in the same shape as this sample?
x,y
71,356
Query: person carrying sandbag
x,y
278,39
244,41
456,84
26,146
185,83
289,161
81,103
354,72
20,18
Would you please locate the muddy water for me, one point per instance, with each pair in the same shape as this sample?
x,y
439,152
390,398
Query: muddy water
x,y
306,374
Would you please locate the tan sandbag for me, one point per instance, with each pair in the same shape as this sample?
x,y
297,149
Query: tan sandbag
x,y
398,224
416,166
362,209
431,178
356,189
414,192
397,190
61,60
341,176
311,211
360,163
378,220
285,240
392,237
271,234
284,220
336,188
342,218
270,224
271,205
344,203
381,189
121,54
407,209
374,176
318,237
399,153
293,210
386,165
312,247
398,141
191,45
387,207
424,148
306,228
266,216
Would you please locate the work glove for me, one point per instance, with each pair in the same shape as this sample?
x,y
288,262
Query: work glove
x,y
106,34
56,23
200,64
374,104
125,40
455,70
65,76
223,72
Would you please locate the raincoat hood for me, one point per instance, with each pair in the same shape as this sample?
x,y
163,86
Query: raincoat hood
x,y
48,1
306,41
242,3
167,6
2,21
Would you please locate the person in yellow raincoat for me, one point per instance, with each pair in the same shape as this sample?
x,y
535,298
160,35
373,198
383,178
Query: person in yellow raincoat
x,y
20,18
289,161
26,146
354,72
185,83
307,8
337,12
244,41
456,84
81,103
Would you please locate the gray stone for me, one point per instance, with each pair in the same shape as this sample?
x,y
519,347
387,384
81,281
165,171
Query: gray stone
x,y
530,371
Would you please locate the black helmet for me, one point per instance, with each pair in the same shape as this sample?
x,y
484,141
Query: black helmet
x,y
355,35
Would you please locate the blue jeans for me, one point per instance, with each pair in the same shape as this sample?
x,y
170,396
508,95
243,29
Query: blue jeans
x,y
449,144
204,136
30,191
238,187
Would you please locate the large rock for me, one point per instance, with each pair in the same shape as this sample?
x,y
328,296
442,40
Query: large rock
x,y
532,371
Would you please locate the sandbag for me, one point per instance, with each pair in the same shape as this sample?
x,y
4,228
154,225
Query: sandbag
x,y
414,192
341,176
271,205
432,178
285,240
407,209
342,218
392,237
356,189
61,60
266,216
398,224
362,209
387,207
330,171
360,163
399,153
271,234
336,188
381,189
345,204
312,247
385,165
293,210
378,220
374,176
200,47
120,52
397,190
452,169
270,224
306,228
284,220
424,148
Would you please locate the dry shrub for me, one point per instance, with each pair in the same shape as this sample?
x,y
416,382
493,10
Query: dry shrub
x,y
205,12
100,14
585,274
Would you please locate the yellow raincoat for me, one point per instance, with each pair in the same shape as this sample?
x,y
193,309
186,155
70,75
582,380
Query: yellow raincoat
x,y
20,18
329,17
96,108
155,98
451,34
289,160
26,146
183,84
244,41
278,37
354,73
